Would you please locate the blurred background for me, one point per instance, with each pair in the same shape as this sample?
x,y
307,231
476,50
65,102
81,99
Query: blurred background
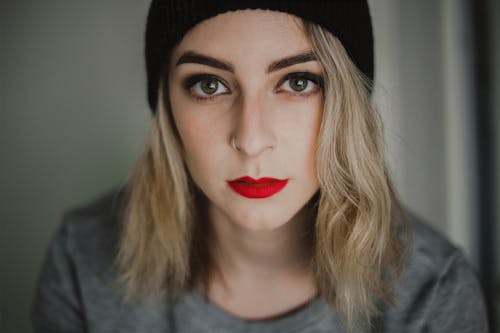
x,y
73,119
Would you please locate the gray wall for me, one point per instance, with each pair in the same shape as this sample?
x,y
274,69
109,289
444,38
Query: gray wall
x,y
424,92
74,117
495,14
409,92
495,36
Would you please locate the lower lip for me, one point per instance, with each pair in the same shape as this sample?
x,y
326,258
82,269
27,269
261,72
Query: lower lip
x,y
258,191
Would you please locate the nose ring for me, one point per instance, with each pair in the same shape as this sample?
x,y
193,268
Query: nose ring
x,y
233,143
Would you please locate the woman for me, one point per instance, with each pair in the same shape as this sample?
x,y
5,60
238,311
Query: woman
x,y
262,201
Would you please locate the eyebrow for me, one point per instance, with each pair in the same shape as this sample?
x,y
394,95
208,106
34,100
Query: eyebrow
x,y
198,58
292,60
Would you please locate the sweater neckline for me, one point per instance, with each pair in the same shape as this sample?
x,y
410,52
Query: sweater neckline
x,y
206,312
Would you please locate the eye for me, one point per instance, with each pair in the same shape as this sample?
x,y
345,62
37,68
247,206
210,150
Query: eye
x,y
205,86
297,84
301,83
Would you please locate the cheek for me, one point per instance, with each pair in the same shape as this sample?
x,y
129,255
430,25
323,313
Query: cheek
x,y
196,140
191,128
203,145
302,135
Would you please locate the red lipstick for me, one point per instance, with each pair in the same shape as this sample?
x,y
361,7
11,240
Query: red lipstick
x,y
257,188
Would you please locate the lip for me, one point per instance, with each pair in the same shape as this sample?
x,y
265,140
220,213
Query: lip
x,y
257,188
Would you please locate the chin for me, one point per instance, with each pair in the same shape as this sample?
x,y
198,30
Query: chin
x,y
261,225
256,222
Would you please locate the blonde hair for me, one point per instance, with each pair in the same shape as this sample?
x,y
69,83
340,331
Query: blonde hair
x,y
357,251
359,236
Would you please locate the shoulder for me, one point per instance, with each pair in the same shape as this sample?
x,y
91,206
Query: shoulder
x,y
97,215
430,250
88,237
78,287
90,232
439,289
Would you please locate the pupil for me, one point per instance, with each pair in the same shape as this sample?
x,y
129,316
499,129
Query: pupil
x,y
299,84
209,86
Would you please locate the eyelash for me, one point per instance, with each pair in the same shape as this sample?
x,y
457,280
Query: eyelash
x,y
193,80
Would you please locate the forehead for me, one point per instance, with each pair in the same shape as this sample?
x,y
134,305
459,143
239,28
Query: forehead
x,y
246,34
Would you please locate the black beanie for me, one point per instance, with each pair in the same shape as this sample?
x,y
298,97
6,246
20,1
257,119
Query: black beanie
x,y
169,20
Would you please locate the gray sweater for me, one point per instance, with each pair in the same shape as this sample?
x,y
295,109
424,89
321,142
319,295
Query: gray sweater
x,y
438,292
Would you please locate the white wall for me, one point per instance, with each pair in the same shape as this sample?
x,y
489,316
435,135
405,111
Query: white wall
x,y
423,91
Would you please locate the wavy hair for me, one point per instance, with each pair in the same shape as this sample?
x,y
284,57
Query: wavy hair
x,y
359,240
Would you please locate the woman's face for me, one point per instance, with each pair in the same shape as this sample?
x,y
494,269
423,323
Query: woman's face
x,y
248,75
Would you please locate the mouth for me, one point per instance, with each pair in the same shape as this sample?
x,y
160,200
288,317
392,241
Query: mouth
x,y
257,188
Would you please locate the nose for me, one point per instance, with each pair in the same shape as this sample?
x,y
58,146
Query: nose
x,y
253,131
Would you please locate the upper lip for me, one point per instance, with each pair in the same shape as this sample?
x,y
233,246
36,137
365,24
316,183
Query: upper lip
x,y
248,179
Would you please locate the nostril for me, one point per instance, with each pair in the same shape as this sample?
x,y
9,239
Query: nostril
x,y
234,144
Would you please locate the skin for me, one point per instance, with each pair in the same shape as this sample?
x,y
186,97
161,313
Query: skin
x,y
263,257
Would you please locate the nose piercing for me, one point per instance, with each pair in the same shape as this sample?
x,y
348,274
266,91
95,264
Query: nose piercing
x,y
233,143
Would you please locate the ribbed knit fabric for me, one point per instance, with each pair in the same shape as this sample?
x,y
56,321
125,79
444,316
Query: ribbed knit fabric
x,y
169,20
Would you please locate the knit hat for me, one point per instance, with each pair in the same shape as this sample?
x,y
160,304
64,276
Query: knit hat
x,y
169,20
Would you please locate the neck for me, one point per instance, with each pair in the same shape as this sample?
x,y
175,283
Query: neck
x,y
282,253
285,249
261,274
